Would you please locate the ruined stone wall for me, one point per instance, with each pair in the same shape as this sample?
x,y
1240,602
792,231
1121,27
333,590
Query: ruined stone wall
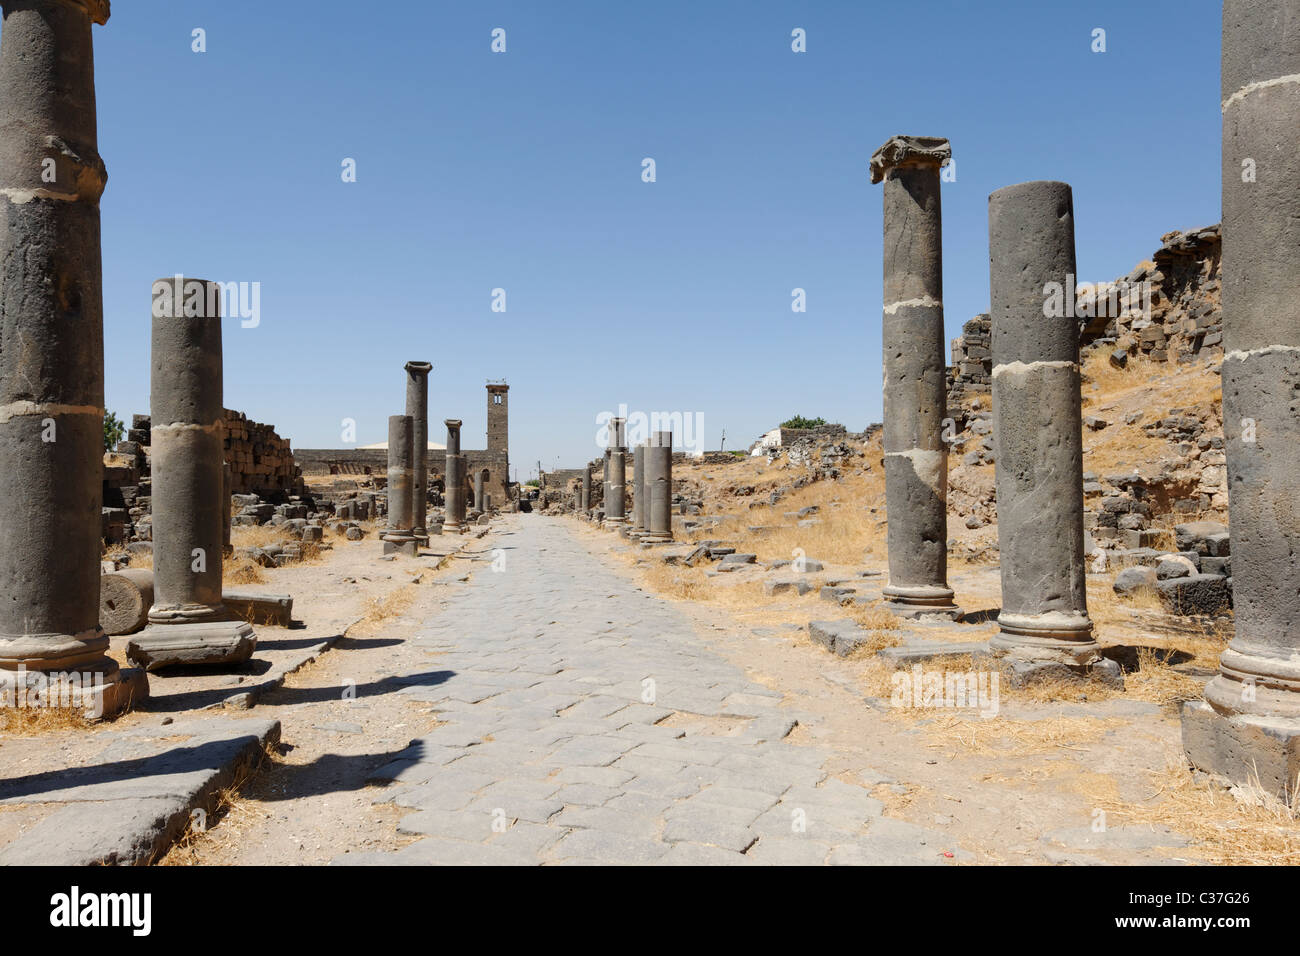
x,y
261,462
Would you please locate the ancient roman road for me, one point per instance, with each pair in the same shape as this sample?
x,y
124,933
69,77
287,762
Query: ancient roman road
x,y
584,721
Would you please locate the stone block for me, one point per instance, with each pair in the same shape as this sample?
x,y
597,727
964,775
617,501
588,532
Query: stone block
x,y
181,645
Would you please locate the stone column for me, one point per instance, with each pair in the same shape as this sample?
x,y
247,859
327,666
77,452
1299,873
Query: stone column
x,y
417,406
189,623
479,504
915,396
639,516
455,480
399,536
615,513
659,488
1249,723
1038,428
586,490
51,348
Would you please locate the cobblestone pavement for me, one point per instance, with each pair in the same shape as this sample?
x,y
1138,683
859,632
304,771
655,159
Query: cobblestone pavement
x,y
589,722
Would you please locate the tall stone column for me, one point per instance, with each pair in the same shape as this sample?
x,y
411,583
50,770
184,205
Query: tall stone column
x,y
659,488
189,623
638,490
915,397
399,536
1249,723
51,349
417,406
586,490
1038,428
479,504
615,513
455,479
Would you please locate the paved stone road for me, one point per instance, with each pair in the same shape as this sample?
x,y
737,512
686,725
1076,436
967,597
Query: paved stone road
x,y
571,735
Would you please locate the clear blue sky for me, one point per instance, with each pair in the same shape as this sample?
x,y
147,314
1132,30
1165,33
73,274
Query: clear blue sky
x,y
522,171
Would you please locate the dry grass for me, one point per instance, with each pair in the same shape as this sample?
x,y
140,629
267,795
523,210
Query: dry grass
x,y
1000,738
1241,826
190,849
34,721
240,570
380,609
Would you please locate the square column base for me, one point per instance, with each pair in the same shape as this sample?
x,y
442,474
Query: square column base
x,y
112,695
185,645
1243,748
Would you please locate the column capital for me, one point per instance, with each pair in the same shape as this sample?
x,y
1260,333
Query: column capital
x,y
452,422
901,151
418,368
98,10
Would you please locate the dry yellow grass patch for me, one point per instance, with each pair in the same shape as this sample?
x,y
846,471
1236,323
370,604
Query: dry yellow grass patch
x,y
1243,826
236,570
379,609
997,737
190,848
33,721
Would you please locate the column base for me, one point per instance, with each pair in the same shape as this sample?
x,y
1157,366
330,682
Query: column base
x,y
101,689
454,527
650,537
1244,748
615,523
1057,637
401,543
921,601
182,645
187,613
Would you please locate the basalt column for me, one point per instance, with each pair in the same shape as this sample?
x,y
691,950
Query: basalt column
x,y
455,480
417,406
639,509
399,537
1038,428
1249,723
915,402
51,348
479,504
616,487
188,622
227,486
659,488
586,491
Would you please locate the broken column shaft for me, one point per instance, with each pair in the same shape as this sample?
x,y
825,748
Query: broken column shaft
x,y
399,537
659,488
417,406
52,359
1038,428
915,398
480,505
1249,724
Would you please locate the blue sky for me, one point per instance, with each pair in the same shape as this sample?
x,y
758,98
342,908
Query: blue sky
x,y
522,170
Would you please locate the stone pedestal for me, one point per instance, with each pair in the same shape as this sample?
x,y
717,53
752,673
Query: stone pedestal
x,y
399,537
1249,724
454,496
51,349
915,397
188,462
658,489
1038,430
417,406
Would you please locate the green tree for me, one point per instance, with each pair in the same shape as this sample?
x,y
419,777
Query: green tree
x,y
113,431
800,422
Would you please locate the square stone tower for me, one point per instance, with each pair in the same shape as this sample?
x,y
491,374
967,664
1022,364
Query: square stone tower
x,y
498,417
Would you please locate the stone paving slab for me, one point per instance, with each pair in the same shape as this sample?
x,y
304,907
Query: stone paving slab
x,y
584,722
136,799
